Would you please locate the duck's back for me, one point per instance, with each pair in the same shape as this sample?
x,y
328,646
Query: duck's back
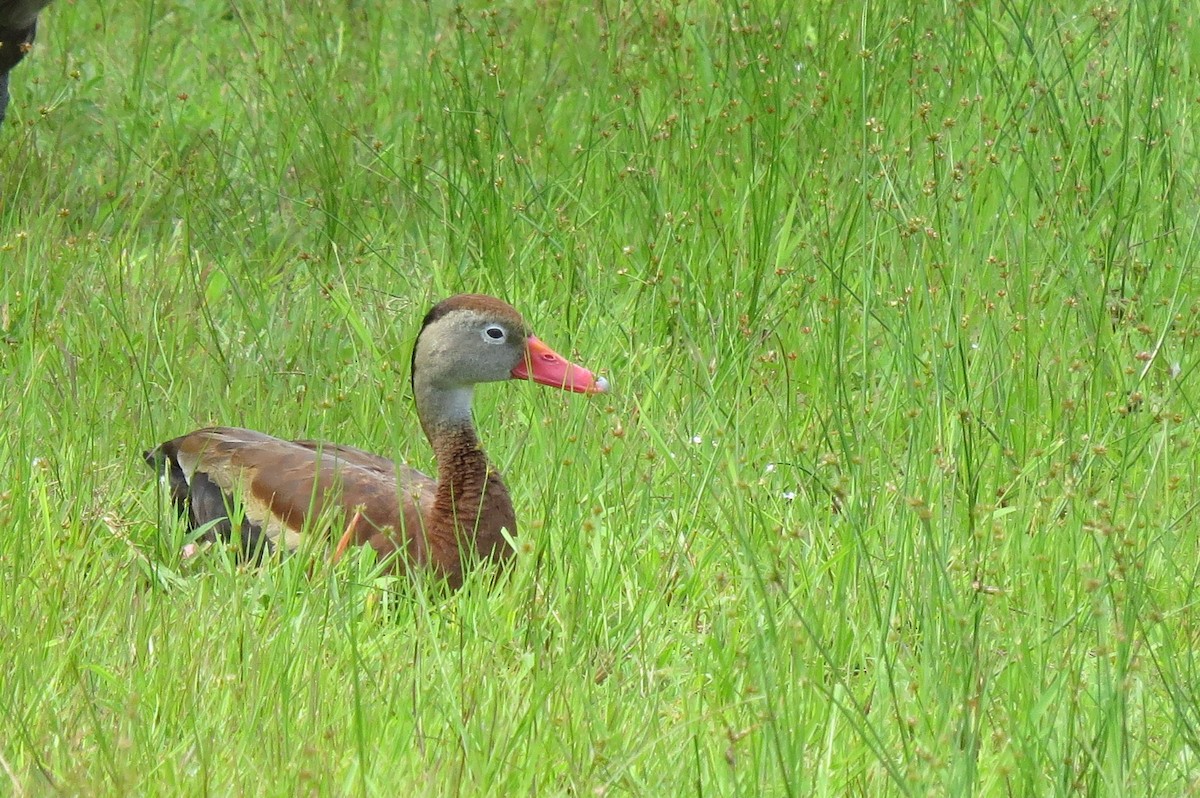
x,y
283,490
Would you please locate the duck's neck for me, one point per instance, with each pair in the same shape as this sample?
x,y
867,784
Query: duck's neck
x,y
471,505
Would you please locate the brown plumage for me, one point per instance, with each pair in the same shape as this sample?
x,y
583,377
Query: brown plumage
x,y
278,490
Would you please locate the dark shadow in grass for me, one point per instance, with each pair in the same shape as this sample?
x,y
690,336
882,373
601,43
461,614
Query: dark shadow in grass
x,y
18,26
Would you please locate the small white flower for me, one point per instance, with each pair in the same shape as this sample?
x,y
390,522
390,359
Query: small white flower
x,y
770,467
696,439
789,495
1176,370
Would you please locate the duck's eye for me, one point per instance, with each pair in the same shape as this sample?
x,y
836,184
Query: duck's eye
x,y
493,334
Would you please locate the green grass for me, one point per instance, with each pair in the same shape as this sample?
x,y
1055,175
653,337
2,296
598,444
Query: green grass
x,y
897,490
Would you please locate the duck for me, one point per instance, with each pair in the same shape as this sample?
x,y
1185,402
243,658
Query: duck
x,y
279,491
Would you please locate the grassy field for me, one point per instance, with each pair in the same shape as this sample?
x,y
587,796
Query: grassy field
x,y
897,490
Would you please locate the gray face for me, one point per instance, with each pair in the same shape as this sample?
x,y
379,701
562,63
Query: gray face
x,y
465,347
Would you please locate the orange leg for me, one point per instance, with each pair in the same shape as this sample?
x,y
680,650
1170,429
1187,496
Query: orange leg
x,y
347,536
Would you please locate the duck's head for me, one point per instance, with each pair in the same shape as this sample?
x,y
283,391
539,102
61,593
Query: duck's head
x,y
472,338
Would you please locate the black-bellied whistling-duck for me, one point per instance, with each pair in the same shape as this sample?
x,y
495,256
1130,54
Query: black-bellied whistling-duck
x,y
288,487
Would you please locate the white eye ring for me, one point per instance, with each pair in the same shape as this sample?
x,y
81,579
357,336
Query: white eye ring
x,y
494,334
